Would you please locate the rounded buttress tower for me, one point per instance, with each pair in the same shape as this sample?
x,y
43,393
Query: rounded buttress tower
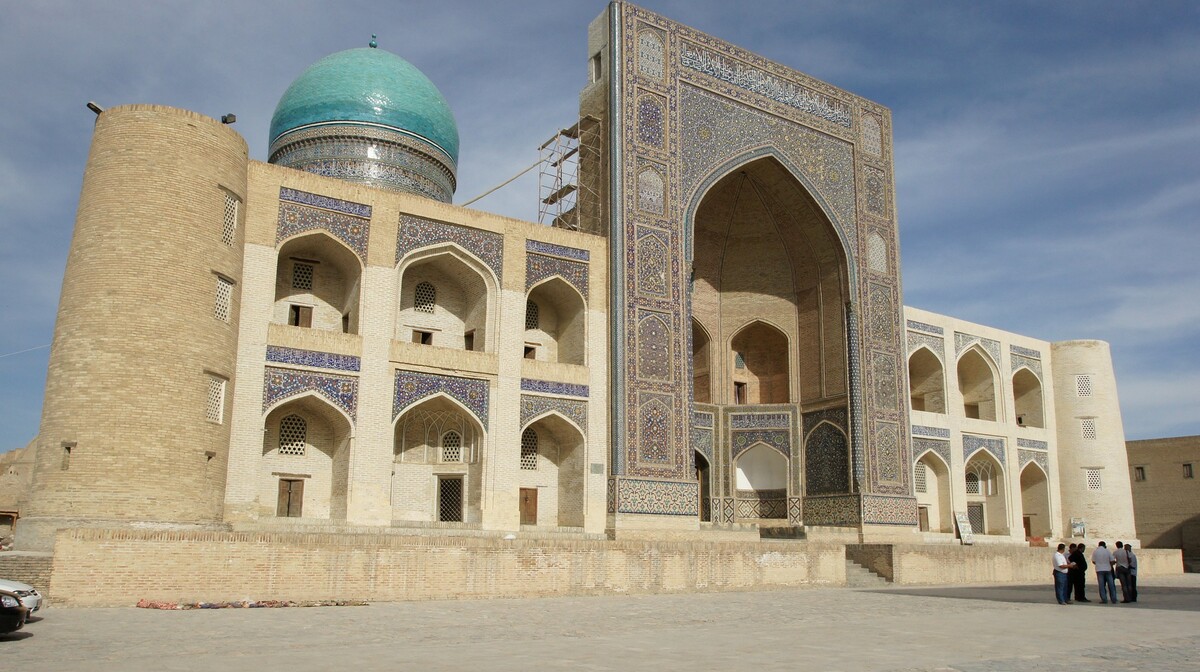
x,y
1092,463
135,422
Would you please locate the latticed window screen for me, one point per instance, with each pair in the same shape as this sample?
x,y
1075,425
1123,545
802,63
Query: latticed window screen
x,y
302,276
214,409
1083,386
450,496
739,360
293,435
1093,478
452,447
424,298
919,476
229,224
975,515
532,315
529,450
972,483
221,310
1087,427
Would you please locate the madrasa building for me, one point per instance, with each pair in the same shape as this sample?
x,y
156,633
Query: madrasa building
x,y
706,343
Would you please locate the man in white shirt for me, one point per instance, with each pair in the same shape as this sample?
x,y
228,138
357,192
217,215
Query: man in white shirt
x,y
1102,560
1123,557
1061,586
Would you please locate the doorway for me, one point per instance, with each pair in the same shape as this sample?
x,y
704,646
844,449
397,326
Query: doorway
x,y
529,506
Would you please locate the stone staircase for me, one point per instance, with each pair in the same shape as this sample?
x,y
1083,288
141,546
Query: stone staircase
x,y
858,576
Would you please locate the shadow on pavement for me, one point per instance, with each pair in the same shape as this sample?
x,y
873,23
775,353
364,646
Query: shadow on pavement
x,y
1149,597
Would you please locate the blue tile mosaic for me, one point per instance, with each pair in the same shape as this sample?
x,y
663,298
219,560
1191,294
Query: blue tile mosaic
x,y
413,386
326,202
1024,352
935,343
1034,365
552,387
927,328
940,448
972,443
743,440
417,232
538,267
317,360
1033,443
937,432
826,461
702,419
760,420
889,510
664,498
341,391
963,341
702,442
553,250
295,219
1038,457
533,406
838,510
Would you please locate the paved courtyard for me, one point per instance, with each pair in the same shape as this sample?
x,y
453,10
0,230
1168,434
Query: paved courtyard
x,y
955,628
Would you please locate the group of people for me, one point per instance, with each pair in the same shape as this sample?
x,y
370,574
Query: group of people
x,y
1070,570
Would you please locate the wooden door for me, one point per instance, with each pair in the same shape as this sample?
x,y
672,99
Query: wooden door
x,y
1028,527
923,517
291,498
529,506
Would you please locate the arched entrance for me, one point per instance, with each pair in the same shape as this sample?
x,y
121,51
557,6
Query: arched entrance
x,y
305,460
436,470
761,480
1035,501
704,480
931,478
985,489
552,465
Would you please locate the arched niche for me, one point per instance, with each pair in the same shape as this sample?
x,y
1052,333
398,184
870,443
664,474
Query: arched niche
x,y
1027,399
305,460
701,364
433,442
1035,501
977,382
932,486
761,482
318,284
985,493
558,473
459,316
926,381
555,323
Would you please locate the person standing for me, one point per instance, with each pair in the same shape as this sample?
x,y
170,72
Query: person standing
x,y
1121,555
1078,572
1133,563
1061,565
1102,560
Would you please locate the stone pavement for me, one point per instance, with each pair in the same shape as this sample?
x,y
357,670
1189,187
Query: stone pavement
x,y
970,629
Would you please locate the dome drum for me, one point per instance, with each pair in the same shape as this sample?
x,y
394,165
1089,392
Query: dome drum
x,y
379,157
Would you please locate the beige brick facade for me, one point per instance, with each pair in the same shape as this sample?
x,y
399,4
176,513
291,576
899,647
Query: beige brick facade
x,y
1166,492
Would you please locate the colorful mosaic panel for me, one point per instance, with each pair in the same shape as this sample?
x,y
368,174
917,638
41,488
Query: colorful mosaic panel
x,y
877,254
718,129
538,267
317,360
885,380
553,387
651,190
702,442
1027,456
935,344
413,386
533,406
1034,365
655,428
836,416
742,441
993,445
762,503
927,328
653,263
1033,443
650,57
553,250
1024,352
295,219
882,320
417,232
653,347
795,511
650,120
745,76
375,173
963,341
941,448
663,498
325,202
936,432
889,510
341,391
826,461
702,419
875,188
760,420
842,511
887,450
871,135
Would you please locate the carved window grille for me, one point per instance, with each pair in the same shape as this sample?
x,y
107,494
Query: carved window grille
x,y
425,296
222,307
452,447
229,222
214,409
529,450
293,435
1087,427
973,484
1083,386
450,496
532,315
302,276
1093,479
920,474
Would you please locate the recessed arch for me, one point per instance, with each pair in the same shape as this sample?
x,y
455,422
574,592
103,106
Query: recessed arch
x,y
759,354
316,395
463,314
558,416
317,478
761,482
433,439
1027,398
935,497
978,383
560,474
1035,501
560,334
985,485
702,379
926,381
439,396
318,283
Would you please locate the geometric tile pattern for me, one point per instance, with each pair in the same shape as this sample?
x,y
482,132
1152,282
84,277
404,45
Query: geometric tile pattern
x,y
941,448
993,445
553,387
1027,456
295,219
533,406
936,432
841,510
827,461
963,341
702,419
1033,443
1024,352
702,442
760,420
927,328
663,498
1034,365
341,391
538,267
325,202
412,386
556,250
417,232
935,343
889,510
317,360
778,439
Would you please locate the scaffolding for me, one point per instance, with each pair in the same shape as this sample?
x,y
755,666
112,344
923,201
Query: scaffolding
x,y
564,200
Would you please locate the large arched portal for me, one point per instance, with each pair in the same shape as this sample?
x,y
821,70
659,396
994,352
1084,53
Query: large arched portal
x,y
763,250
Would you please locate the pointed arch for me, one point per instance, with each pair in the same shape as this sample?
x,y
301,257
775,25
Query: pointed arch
x,y
560,332
760,353
463,314
1035,501
560,473
926,381
826,460
316,477
318,283
935,497
1028,403
979,384
701,361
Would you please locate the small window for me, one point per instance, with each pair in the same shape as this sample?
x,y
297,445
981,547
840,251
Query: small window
x,y
1087,427
972,483
739,360
451,447
920,474
214,410
739,393
302,276
66,455
1093,479
229,222
469,340
291,498
221,309
1083,386
532,315
1187,470
529,450
1139,473
346,323
293,435
531,352
300,316
422,337
594,69
424,297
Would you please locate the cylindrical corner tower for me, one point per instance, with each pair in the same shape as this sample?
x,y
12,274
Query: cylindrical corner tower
x,y
135,422
1093,467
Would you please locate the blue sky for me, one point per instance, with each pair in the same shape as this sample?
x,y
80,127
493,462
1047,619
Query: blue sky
x,y
1046,153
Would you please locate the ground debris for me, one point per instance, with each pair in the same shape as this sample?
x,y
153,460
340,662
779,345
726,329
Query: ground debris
x,y
248,604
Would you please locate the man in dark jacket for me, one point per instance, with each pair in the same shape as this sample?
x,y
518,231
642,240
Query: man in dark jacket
x,y
1077,575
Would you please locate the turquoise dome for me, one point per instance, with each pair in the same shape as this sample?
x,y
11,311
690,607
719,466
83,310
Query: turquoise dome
x,y
371,87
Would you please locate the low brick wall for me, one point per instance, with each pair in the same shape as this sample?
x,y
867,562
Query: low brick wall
x,y
912,564
31,568
107,567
